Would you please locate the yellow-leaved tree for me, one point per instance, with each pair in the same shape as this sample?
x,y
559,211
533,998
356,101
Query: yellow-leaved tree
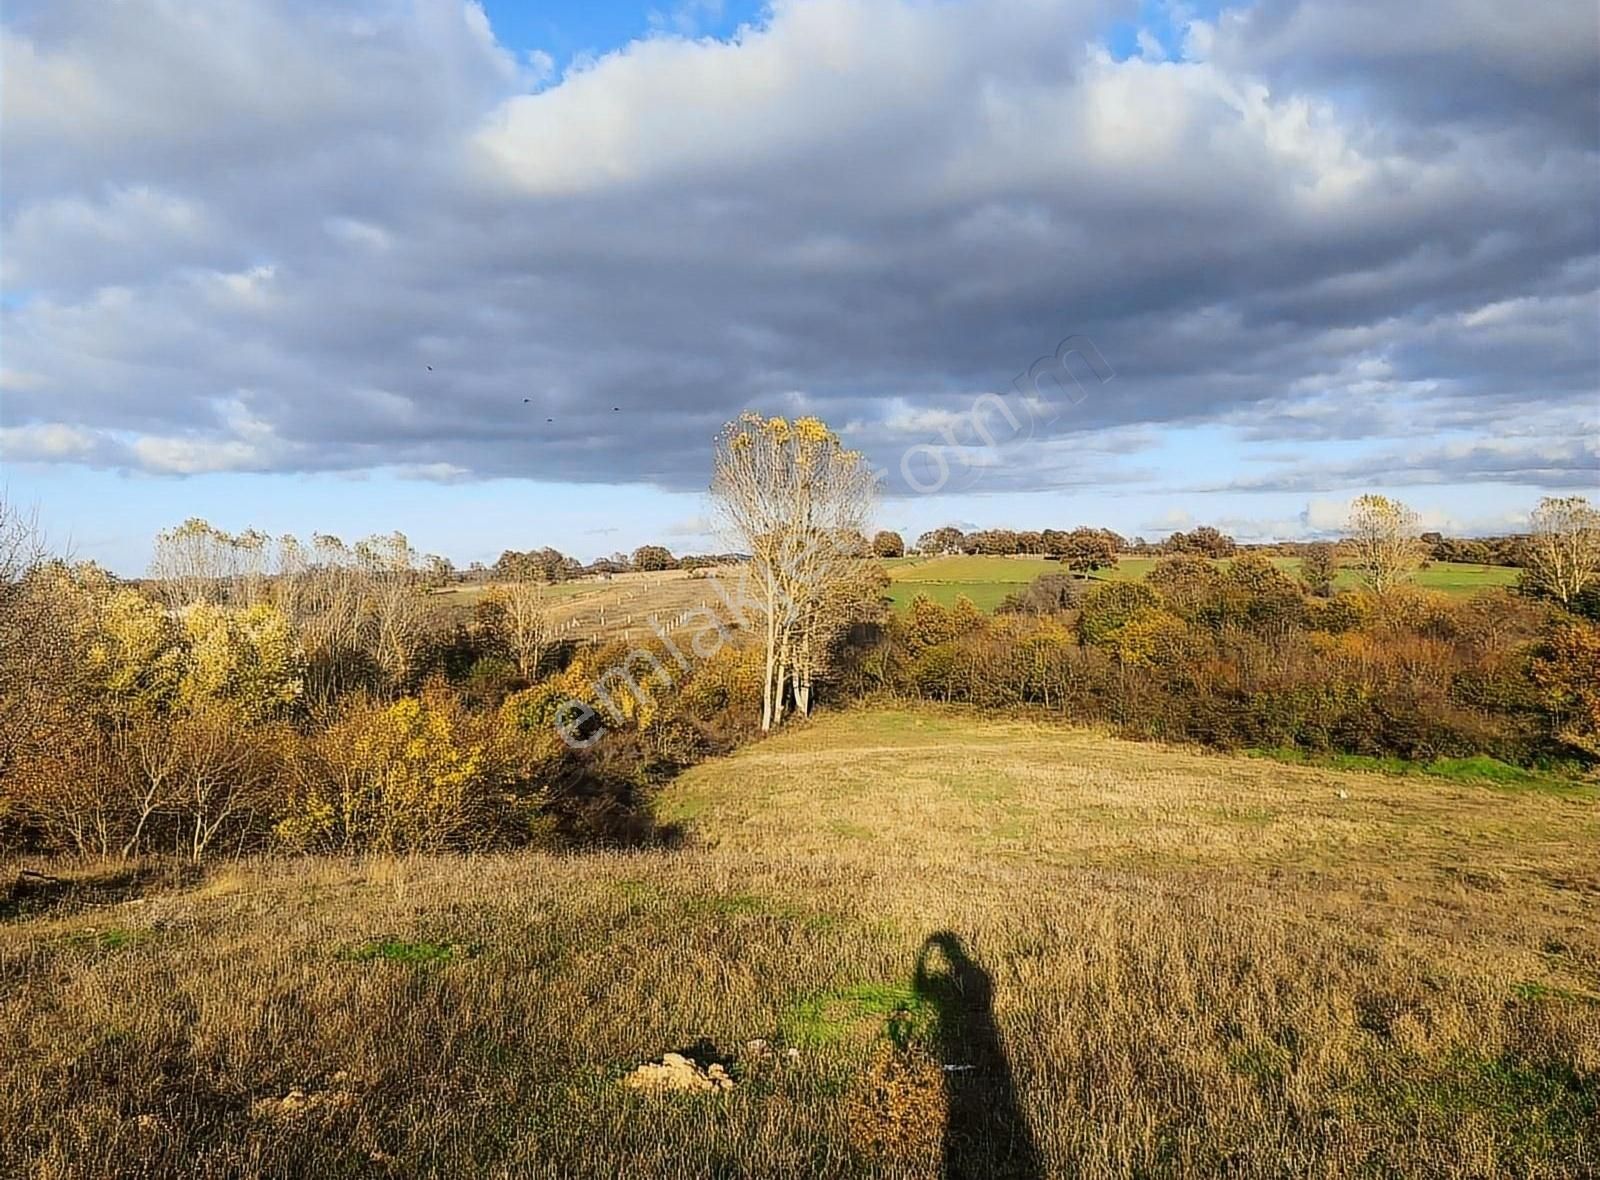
x,y
247,658
1563,550
415,775
169,731
1383,537
797,501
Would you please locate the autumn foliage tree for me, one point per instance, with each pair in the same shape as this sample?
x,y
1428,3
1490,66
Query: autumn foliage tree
x,y
165,736
797,500
1563,549
945,539
535,565
36,651
1204,541
420,774
653,558
1083,549
1567,670
1383,538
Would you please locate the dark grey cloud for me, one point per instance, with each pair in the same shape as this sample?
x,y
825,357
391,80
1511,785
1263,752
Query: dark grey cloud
x,y
276,237
1525,68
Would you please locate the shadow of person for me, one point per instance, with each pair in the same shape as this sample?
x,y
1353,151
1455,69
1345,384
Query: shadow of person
x,y
986,1134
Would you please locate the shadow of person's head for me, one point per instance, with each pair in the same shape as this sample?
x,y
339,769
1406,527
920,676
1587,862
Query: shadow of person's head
x,y
947,974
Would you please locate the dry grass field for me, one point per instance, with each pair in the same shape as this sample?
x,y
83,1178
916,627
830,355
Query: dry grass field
x,y
996,948
620,607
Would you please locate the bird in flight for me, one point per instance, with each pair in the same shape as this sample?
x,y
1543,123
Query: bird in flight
x,y
430,368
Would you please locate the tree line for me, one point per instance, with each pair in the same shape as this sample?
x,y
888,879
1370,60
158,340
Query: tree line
x,y
1204,540
257,693
551,565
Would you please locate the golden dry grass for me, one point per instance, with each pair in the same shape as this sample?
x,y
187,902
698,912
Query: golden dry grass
x,y
1177,964
622,607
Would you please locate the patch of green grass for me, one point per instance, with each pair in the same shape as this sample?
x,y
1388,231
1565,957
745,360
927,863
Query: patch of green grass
x,y
971,568
894,1010
635,889
979,788
1531,1106
1266,1061
850,831
1009,830
732,905
1253,816
401,950
1529,989
984,580
1483,769
1479,770
1453,578
679,808
112,939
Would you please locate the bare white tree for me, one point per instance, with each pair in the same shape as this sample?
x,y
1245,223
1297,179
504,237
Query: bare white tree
x,y
320,591
793,497
22,544
517,618
1383,537
1563,554
193,562
394,602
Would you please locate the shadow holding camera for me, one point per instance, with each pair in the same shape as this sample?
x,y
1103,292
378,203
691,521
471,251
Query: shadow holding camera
x,y
986,1133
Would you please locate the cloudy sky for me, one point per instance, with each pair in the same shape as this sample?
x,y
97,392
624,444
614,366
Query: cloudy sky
x,y
308,265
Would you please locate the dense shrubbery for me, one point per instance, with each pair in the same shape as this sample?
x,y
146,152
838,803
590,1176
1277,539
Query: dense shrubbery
x,y
415,774
1241,657
1046,594
326,707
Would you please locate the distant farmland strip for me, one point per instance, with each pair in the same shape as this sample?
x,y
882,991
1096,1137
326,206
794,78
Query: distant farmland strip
x,y
986,580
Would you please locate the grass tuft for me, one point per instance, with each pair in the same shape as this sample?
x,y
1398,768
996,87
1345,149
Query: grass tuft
x,y
400,950
866,1010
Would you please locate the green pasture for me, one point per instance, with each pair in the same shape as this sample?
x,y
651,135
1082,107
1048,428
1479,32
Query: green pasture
x,y
986,580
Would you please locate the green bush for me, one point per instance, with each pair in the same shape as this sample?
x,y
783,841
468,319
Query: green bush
x,y
1109,606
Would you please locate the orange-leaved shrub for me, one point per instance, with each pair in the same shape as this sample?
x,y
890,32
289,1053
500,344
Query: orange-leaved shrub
x,y
1243,657
1567,672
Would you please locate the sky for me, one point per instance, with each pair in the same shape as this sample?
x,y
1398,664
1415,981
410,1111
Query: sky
x,y
496,274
